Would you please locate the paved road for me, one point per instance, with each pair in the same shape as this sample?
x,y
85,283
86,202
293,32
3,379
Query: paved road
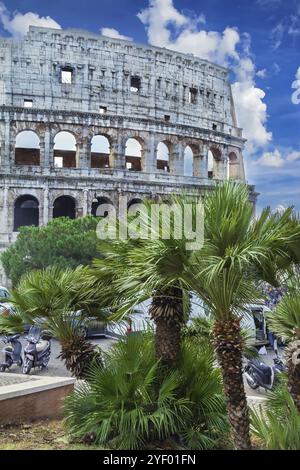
x,y
56,367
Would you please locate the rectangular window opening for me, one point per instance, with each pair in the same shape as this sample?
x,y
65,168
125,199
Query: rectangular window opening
x,y
58,162
167,118
28,103
193,95
66,75
135,84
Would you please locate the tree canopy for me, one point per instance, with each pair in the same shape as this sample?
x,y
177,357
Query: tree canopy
x,y
64,243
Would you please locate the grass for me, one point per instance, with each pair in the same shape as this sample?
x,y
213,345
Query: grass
x,y
40,435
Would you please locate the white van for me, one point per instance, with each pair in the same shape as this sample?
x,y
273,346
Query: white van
x,y
256,322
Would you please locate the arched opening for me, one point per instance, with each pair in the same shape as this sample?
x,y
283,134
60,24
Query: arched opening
x,y
188,161
214,163
97,202
27,148
233,166
133,155
64,206
133,202
163,157
26,212
65,150
100,152
210,165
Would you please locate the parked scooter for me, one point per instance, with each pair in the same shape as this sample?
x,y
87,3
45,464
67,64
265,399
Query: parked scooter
x,y
259,374
12,352
38,350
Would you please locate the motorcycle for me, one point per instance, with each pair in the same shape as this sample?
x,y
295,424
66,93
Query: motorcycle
x,y
12,352
258,374
38,350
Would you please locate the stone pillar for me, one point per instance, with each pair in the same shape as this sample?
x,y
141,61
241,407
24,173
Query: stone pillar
x,y
201,162
117,154
46,157
46,207
4,216
85,210
224,165
6,150
149,158
177,160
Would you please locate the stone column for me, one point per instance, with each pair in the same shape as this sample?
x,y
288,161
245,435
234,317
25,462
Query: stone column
x,y
85,203
46,160
6,149
46,207
4,217
177,160
149,158
117,154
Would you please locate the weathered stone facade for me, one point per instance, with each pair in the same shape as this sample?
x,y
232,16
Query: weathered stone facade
x,y
72,81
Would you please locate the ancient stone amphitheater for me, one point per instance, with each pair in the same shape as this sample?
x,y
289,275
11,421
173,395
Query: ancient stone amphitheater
x,y
85,119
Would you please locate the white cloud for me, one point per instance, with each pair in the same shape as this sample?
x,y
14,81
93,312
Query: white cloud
x,y
272,159
114,33
262,73
17,24
167,27
293,156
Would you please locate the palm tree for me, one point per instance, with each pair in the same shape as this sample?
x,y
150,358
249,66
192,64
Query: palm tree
x,y
59,302
238,251
284,321
143,269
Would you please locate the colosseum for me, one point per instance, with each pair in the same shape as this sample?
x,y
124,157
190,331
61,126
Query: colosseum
x,y
85,118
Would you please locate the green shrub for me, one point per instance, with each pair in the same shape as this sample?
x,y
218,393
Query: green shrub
x,y
131,402
277,427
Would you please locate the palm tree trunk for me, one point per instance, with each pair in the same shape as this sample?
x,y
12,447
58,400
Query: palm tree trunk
x,y
293,362
228,344
167,342
167,312
78,354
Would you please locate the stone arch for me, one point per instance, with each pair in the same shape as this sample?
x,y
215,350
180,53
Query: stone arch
x,y
134,153
214,163
64,206
97,202
65,149
27,148
233,165
163,155
26,212
133,201
188,157
100,151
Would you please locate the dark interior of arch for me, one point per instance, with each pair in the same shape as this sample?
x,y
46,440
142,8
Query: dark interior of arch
x,y
26,212
133,202
95,205
64,206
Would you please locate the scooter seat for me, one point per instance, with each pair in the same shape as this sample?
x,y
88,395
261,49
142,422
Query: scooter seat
x,y
42,345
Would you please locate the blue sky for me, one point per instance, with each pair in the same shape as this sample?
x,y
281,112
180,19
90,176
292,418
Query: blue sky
x,y
258,40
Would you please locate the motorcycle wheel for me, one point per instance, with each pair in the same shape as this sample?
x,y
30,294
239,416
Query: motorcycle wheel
x,y
27,366
2,368
252,383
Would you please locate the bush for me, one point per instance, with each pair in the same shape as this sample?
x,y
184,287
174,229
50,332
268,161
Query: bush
x,y
131,402
63,243
277,427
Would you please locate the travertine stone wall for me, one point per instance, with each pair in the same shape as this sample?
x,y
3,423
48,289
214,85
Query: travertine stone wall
x,y
181,100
